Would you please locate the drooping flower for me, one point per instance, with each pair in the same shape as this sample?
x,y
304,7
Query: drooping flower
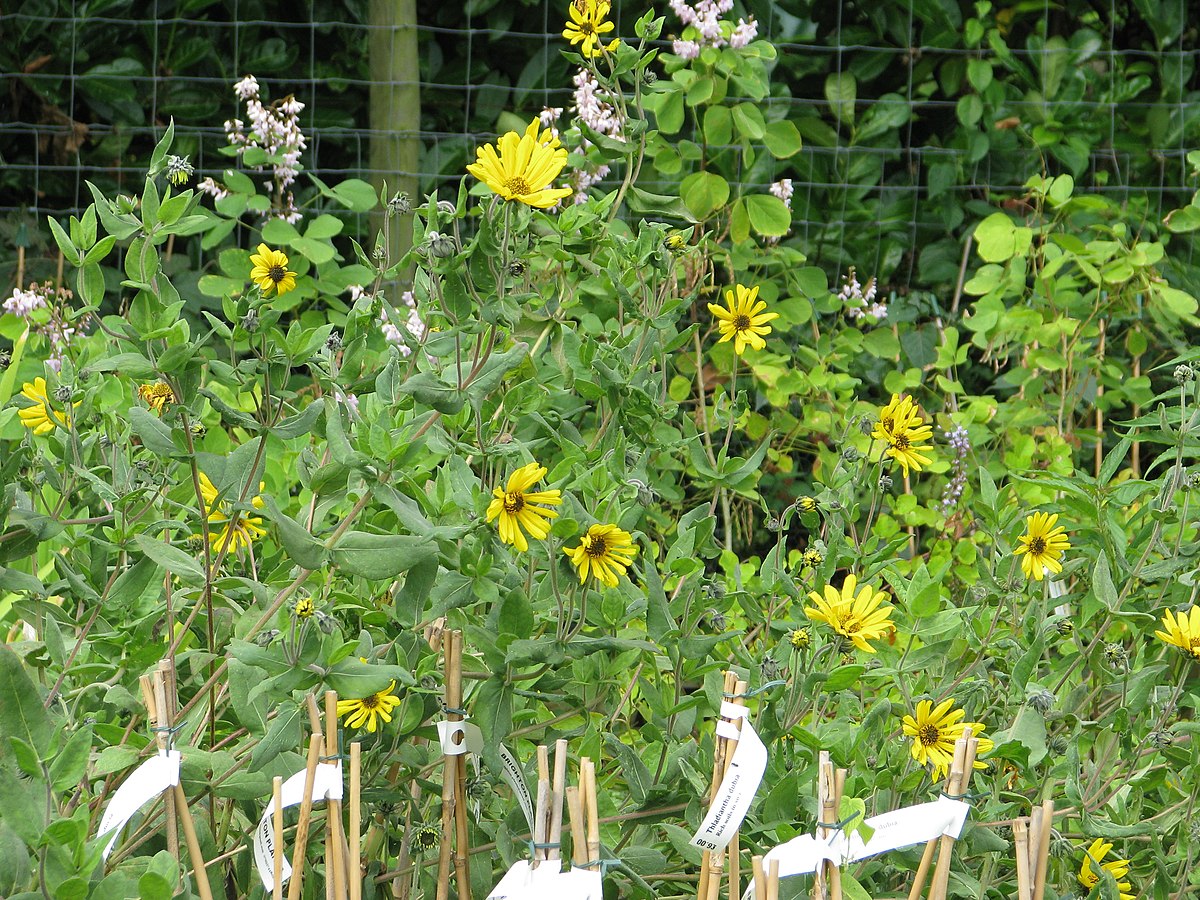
x,y
587,23
517,507
1042,545
227,529
523,169
1118,868
860,619
156,395
901,427
606,551
270,271
1182,631
935,730
179,170
366,712
742,319
41,417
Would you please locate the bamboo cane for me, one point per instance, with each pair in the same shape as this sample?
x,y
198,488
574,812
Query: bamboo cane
x,y
1021,847
702,888
449,776
941,877
734,849
356,821
333,818
277,837
462,848
759,879
163,723
559,785
950,786
1043,860
199,868
773,880
541,808
301,846
593,825
578,838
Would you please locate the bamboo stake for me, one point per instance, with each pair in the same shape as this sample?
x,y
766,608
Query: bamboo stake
x,y
300,848
773,880
941,877
540,812
950,786
199,867
827,881
1047,826
356,821
462,856
333,818
593,825
1035,830
1021,842
578,839
277,837
162,722
702,888
449,776
759,878
556,803
734,850
584,814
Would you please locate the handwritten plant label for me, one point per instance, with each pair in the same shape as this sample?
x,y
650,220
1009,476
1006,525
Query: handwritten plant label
x,y
546,882
327,785
148,780
511,770
893,831
738,787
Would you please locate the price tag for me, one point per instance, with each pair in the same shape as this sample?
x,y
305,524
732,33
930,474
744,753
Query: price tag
x,y
737,789
327,785
148,780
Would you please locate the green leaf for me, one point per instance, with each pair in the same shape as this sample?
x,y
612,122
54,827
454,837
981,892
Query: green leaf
x,y
303,423
70,764
174,560
21,712
782,139
644,203
304,549
155,436
323,226
718,126
769,216
841,91
64,242
353,678
162,147
704,193
379,556
748,121
279,231
356,195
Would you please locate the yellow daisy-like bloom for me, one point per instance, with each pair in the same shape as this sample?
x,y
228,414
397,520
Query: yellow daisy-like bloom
x,y
270,271
41,417
367,711
156,395
1042,545
742,319
606,551
1118,868
304,608
586,26
234,531
934,732
860,619
901,427
524,167
517,507
1182,631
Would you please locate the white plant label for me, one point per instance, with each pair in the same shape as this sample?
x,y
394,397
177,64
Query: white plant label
x,y
546,882
148,780
460,737
511,770
327,785
737,789
893,830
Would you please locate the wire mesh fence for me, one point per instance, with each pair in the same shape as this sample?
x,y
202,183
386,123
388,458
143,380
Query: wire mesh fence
x,y
89,86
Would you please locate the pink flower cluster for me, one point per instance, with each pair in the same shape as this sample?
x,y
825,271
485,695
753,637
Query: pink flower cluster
x,y
55,326
703,27
275,129
860,301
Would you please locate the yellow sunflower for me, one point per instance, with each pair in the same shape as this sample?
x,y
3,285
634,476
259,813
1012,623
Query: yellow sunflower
x,y
1118,868
742,319
524,168
156,395
1042,545
606,550
586,26
1182,631
270,271
366,711
935,730
226,529
517,507
860,618
901,427
41,417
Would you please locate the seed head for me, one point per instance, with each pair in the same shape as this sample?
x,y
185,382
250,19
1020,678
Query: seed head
x,y
1184,373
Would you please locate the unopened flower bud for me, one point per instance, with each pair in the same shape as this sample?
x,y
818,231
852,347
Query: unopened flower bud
x,y
400,205
5,359
1184,373
812,557
516,268
1160,738
62,393
800,638
199,430
325,622
806,504
1059,745
304,608
769,668
1065,627
442,246
866,426
1116,656
426,837
1042,701
885,482
851,454
649,77
250,321
773,524
333,343
265,638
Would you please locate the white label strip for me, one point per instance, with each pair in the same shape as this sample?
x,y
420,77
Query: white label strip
x,y
327,785
148,780
546,882
511,770
733,710
737,790
460,737
728,730
893,830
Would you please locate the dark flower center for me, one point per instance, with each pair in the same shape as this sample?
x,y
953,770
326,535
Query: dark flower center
x,y
276,273
370,703
1037,546
517,186
587,27
901,442
929,735
595,547
741,323
514,502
